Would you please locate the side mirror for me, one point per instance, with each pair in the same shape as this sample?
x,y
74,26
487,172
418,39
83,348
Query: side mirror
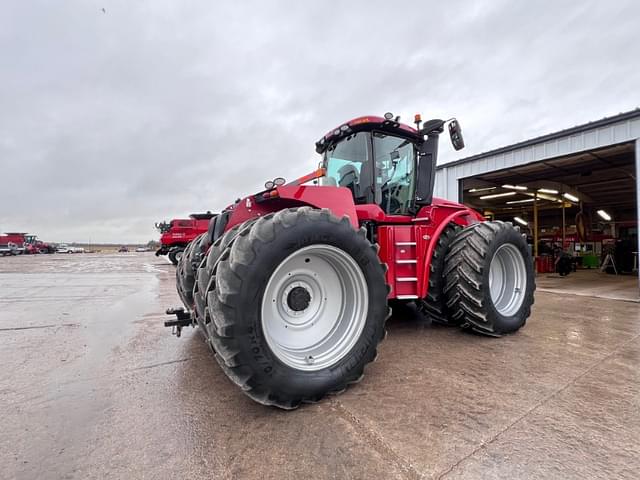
x,y
455,132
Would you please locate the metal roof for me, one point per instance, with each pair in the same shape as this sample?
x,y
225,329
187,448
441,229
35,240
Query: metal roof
x,y
603,122
615,130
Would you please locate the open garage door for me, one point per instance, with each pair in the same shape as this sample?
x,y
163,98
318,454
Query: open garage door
x,y
580,214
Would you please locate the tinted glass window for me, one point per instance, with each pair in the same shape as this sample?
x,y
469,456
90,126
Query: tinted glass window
x,y
395,160
347,166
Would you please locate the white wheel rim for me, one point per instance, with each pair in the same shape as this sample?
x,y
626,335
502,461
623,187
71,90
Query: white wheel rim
x,y
507,279
314,307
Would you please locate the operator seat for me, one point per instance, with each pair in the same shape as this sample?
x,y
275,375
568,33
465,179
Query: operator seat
x,y
350,178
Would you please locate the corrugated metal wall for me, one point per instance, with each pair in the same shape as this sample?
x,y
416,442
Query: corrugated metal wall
x,y
447,177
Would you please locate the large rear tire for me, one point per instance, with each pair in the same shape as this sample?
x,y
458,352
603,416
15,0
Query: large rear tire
x,y
434,305
204,274
297,305
489,278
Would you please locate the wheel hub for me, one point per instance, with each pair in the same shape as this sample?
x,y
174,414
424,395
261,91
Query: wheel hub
x,y
298,299
314,307
507,279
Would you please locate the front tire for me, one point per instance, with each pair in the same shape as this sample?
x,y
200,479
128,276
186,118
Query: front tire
x,y
489,278
297,307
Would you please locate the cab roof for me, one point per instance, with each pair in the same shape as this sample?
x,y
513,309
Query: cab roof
x,y
367,124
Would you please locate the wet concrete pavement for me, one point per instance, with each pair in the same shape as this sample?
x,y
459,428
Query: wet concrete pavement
x,y
92,386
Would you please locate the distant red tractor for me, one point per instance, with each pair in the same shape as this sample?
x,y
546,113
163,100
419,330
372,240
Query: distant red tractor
x,y
17,243
292,286
176,234
34,245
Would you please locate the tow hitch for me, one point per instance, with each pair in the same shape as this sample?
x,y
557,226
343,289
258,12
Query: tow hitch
x,y
183,319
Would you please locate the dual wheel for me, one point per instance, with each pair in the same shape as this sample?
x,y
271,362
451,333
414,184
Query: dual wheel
x,y
481,278
293,304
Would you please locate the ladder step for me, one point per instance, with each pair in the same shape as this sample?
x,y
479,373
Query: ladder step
x,y
407,297
413,260
405,244
406,279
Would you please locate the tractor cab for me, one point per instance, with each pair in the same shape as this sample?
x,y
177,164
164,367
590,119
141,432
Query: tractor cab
x,y
384,162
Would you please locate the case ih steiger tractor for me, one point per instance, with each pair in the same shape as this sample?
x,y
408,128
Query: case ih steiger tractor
x,y
291,286
176,234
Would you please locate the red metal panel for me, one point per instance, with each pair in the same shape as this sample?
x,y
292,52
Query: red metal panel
x,y
385,242
336,199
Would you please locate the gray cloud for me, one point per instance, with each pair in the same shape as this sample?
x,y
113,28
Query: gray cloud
x,y
109,122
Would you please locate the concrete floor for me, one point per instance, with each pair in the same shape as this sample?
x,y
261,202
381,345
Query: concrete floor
x,y
592,283
92,386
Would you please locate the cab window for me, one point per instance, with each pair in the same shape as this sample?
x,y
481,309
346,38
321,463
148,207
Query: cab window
x,y
348,165
395,160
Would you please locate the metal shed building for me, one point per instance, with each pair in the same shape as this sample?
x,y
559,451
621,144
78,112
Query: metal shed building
x,y
597,162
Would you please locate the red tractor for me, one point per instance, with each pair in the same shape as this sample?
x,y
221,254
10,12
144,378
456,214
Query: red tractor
x,y
292,286
17,243
176,234
33,245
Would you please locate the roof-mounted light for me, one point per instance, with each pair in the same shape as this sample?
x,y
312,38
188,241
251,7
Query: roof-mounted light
x,y
497,195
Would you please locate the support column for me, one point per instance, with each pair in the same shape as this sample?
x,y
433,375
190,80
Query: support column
x,y
637,151
564,225
535,225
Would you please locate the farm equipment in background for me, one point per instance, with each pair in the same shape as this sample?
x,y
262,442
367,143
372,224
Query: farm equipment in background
x,y
176,234
33,245
292,286
13,243
17,243
8,248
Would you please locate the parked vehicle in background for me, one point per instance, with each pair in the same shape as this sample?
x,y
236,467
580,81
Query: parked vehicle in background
x,y
24,243
64,248
33,245
142,249
17,239
123,249
8,248
176,234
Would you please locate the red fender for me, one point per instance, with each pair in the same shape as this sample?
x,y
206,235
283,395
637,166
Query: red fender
x,y
337,199
438,218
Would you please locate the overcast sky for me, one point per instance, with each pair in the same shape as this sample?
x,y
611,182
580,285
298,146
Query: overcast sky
x,y
153,110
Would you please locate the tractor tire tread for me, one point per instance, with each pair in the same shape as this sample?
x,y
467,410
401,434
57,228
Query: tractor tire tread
x,y
466,284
